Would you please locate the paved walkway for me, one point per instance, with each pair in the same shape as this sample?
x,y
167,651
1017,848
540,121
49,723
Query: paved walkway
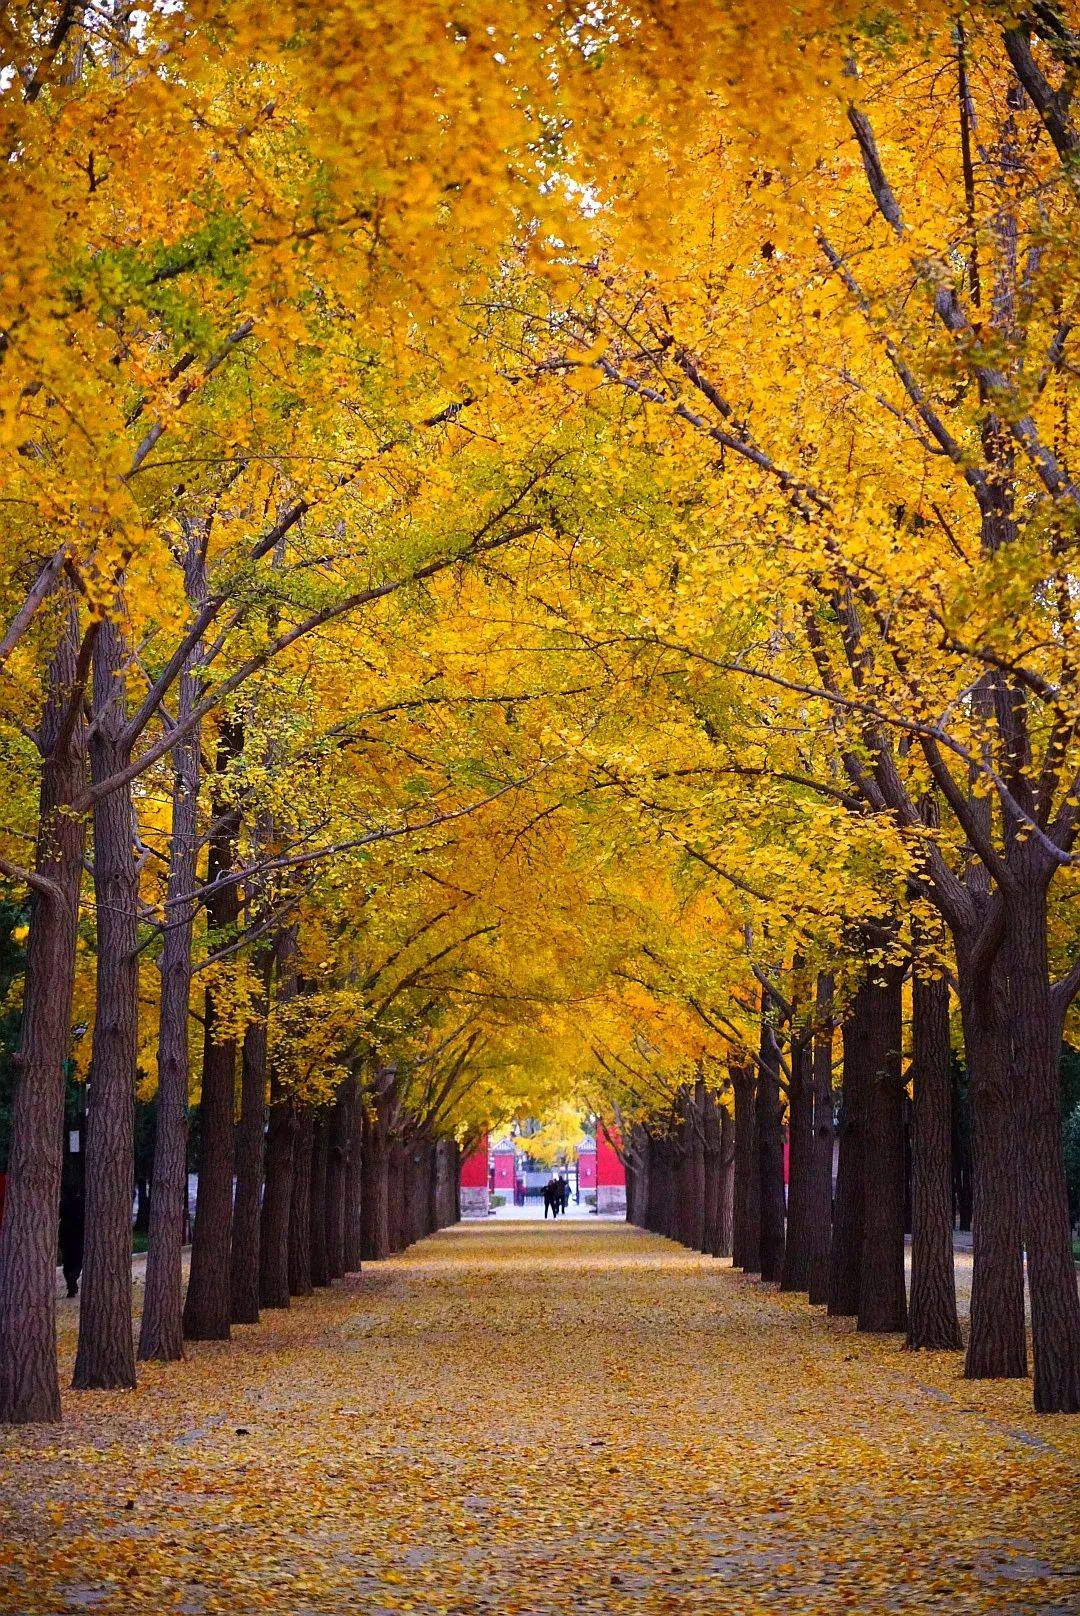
x,y
545,1421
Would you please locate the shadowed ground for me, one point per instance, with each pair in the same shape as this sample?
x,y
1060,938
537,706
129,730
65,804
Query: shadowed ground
x,y
546,1419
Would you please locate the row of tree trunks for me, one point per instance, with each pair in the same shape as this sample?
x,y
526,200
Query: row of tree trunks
x,y
714,1181
681,1183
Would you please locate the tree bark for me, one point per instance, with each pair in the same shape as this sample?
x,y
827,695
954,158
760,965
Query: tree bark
x,y
770,1140
726,1209
161,1332
106,1352
932,1318
997,1338
277,1196
796,1270
208,1305
696,1141
29,1385
882,1294
300,1281
320,1153
747,1211
710,1119
820,1195
375,1192
244,1273
395,1192
337,1168
1036,1028
845,1255
353,1232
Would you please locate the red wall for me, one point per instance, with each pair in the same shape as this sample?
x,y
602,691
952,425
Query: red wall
x,y
609,1169
474,1169
504,1170
587,1169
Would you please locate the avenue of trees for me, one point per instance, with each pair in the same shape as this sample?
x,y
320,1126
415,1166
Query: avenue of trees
x,y
538,565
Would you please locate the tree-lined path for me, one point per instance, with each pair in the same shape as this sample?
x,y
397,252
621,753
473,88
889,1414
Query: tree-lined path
x,y
546,1419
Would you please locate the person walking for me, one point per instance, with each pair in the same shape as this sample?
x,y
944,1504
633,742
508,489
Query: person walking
x,y
72,1224
564,1191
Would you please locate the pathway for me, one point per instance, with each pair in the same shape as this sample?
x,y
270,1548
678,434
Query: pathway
x,y
545,1421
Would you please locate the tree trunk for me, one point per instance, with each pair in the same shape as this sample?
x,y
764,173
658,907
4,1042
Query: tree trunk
x,y
395,1193
747,1209
300,1282
29,1385
932,1319
106,1351
161,1333
882,1295
208,1305
685,1188
337,1167
320,1154
696,1175
1055,1304
245,1261
796,1271
820,1194
277,1196
353,1232
375,1192
997,1340
770,1140
726,1209
710,1120
845,1255
657,1170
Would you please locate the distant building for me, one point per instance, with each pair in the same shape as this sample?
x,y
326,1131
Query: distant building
x,y
502,1171
610,1175
475,1196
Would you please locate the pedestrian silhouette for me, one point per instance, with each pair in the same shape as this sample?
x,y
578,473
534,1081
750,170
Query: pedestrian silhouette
x,y
72,1224
552,1198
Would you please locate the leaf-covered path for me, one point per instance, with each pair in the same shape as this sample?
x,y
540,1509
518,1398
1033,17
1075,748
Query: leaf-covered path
x,y
546,1419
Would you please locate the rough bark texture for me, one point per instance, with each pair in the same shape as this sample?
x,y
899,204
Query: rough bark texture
x,y
696,1164
29,1386
208,1304
882,1295
932,1320
375,1190
845,1255
747,1228
820,1191
770,1139
726,1208
710,1118
276,1214
106,1352
161,1333
300,1283
997,1339
320,1152
796,1270
1036,1028
353,1233
277,1196
337,1167
395,1193
244,1268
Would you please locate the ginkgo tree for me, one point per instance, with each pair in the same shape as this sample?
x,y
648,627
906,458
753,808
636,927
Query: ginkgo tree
x,y
499,644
